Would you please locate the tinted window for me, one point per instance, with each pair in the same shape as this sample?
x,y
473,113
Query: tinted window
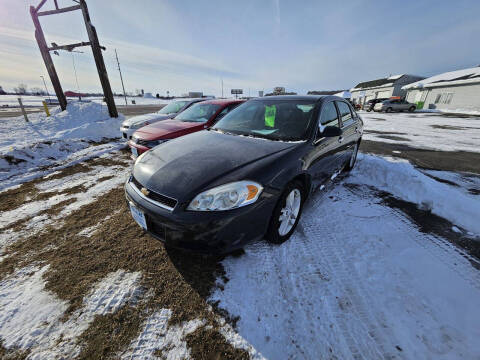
x,y
272,119
344,110
329,116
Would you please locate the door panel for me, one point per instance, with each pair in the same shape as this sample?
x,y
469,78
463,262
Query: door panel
x,y
323,159
348,124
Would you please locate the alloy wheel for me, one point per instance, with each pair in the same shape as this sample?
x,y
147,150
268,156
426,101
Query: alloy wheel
x,y
289,213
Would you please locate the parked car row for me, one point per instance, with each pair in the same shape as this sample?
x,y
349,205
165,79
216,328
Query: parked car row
x,y
131,125
225,172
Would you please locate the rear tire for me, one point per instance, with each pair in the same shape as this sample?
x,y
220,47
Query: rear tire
x,y
353,159
280,230
411,109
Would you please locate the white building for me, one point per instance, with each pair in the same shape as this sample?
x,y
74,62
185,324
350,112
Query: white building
x,y
383,88
344,94
455,91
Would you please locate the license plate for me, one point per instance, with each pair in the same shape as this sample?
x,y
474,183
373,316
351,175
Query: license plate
x,y
138,216
134,152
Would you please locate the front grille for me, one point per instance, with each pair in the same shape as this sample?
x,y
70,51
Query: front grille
x,y
126,126
154,196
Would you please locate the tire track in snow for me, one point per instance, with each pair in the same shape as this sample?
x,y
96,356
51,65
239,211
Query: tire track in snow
x,y
348,284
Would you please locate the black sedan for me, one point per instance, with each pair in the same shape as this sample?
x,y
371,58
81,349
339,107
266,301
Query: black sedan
x,y
245,178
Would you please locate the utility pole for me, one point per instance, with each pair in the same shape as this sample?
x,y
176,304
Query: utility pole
x,y
95,45
47,59
44,83
222,87
121,78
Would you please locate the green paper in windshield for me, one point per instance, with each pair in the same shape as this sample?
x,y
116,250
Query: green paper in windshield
x,y
270,112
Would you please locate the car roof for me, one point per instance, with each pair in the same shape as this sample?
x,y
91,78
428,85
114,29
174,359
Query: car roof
x,y
223,101
290,97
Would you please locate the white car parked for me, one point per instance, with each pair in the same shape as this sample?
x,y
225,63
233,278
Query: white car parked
x,y
131,125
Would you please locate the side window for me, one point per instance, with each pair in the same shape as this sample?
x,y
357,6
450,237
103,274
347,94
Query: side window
x,y
345,113
223,112
328,115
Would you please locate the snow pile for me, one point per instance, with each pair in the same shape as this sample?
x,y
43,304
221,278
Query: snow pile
x,y
404,181
44,141
31,317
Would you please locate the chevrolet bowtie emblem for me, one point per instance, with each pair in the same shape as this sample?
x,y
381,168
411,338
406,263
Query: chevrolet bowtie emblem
x,y
145,191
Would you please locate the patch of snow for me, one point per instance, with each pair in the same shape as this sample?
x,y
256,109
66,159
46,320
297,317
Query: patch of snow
x,y
156,335
28,310
424,131
403,180
238,342
395,77
456,229
377,288
88,179
30,316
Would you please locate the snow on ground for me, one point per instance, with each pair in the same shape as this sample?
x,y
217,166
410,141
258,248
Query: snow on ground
x,y
50,141
114,175
423,130
32,100
31,316
357,280
157,335
404,181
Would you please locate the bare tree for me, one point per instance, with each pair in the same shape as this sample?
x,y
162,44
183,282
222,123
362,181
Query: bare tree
x,y
21,89
37,91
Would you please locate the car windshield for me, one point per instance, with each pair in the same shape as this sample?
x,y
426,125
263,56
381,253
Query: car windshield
x,y
283,120
198,113
173,107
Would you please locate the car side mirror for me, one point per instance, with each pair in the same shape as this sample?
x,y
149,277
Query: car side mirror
x,y
331,131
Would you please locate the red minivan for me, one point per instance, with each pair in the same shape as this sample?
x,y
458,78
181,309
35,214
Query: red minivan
x,y
196,118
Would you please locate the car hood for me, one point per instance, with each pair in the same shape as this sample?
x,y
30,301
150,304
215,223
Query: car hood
x,y
150,118
185,166
166,129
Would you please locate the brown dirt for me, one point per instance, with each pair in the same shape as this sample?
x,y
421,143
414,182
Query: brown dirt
x,y
203,348
14,198
111,332
12,354
177,280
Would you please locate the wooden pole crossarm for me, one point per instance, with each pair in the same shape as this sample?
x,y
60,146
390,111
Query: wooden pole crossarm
x,y
58,11
69,47
72,46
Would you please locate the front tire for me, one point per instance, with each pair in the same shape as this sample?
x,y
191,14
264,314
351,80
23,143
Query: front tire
x,y
389,110
286,214
412,109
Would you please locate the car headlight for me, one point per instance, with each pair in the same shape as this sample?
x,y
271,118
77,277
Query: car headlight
x,y
226,197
